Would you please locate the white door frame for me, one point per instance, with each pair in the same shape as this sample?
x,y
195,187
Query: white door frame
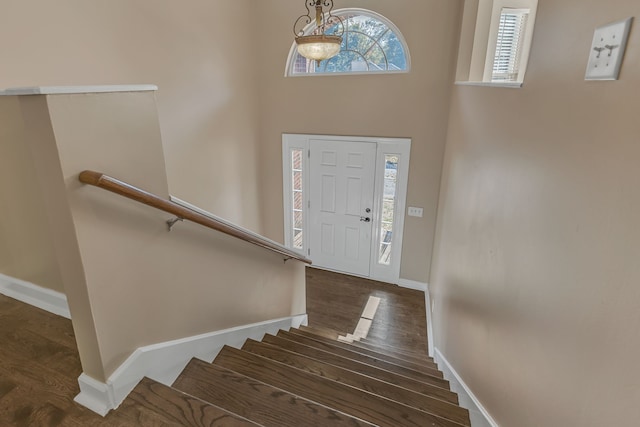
x,y
385,146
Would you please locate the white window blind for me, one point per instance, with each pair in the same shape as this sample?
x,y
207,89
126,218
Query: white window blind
x,y
506,63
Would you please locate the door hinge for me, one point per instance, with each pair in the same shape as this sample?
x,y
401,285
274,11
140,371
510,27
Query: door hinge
x,y
309,153
308,252
309,204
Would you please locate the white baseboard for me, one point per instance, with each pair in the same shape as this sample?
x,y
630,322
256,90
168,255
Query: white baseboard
x,y
43,298
427,304
480,417
165,361
95,395
424,287
412,284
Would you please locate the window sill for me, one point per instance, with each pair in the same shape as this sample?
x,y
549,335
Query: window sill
x,y
509,85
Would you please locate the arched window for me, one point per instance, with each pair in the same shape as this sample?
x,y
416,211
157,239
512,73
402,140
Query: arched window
x,y
370,44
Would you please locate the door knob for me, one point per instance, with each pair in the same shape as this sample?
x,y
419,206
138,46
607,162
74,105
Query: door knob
x,y
367,210
365,219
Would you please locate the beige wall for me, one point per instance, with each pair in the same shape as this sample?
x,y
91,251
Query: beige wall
x,y
413,105
129,281
196,52
26,247
535,278
40,166
223,105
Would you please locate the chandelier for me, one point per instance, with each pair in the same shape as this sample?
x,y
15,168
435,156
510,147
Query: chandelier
x,y
317,45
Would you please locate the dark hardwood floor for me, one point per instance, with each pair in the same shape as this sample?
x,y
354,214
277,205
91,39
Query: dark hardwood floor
x,y
336,301
39,371
39,362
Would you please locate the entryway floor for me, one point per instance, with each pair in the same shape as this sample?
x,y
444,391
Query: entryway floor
x,y
337,301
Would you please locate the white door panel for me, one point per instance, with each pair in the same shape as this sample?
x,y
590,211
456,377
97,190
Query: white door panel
x,y
340,198
329,230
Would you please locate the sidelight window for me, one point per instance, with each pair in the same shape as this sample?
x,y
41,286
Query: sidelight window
x,y
297,199
388,208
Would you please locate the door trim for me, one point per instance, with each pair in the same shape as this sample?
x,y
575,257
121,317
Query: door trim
x,y
384,146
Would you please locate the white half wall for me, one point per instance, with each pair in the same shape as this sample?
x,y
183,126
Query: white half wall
x,y
165,361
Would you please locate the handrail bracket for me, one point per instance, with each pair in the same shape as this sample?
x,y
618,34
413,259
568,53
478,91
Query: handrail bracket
x,y
172,222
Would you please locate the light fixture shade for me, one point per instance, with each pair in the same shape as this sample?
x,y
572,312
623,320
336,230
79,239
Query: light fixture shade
x,y
318,47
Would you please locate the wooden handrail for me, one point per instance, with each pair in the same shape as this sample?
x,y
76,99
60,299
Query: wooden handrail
x,y
129,191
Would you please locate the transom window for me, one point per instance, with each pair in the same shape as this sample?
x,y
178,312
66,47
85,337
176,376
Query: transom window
x,y
370,44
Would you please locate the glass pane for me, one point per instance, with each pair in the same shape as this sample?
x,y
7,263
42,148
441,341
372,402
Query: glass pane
x,y
297,220
344,62
390,171
297,180
376,59
297,198
387,212
297,160
367,25
357,42
395,52
297,239
388,209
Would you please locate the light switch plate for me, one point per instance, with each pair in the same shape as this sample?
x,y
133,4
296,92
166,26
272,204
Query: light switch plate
x,y
415,212
607,50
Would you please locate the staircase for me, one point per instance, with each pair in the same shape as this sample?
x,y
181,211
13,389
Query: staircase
x,y
302,377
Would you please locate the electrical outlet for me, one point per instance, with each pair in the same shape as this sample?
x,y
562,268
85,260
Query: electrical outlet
x,y
417,212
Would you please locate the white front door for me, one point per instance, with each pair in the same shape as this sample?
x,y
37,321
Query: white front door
x,y
341,204
331,185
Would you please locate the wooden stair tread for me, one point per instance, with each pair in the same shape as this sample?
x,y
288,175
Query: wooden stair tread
x,y
371,360
363,368
381,343
321,331
255,400
364,405
418,365
372,385
400,353
152,403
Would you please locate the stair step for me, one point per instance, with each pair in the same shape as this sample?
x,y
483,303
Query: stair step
x,y
152,403
323,332
362,404
363,368
255,400
379,342
400,353
366,343
363,347
418,365
363,382
370,360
